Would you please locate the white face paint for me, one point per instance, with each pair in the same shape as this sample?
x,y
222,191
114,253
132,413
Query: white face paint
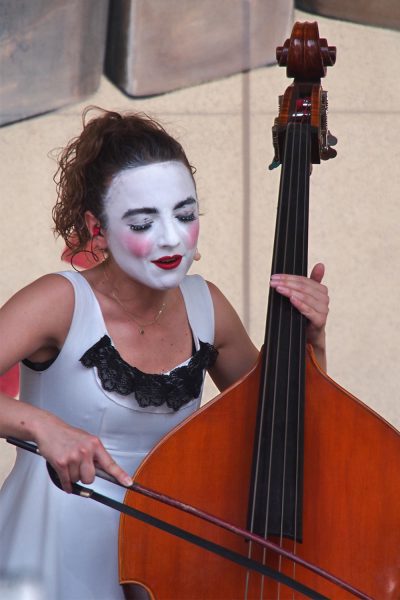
x,y
152,222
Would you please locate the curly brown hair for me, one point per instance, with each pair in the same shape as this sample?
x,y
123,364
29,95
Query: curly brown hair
x,y
108,143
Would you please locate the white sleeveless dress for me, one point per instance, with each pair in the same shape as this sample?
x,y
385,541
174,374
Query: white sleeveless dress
x,y
67,542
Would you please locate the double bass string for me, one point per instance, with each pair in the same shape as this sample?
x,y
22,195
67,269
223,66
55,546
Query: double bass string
x,y
263,399
272,398
292,242
298,264
282,228
302,226
286,386
288,268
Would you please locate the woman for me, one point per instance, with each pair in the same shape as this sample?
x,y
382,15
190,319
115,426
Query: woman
x,y
115,356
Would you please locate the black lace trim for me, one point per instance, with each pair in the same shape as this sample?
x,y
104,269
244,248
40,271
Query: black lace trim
x,y
175,389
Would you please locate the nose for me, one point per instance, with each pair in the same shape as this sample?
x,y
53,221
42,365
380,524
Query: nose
x,y
169,236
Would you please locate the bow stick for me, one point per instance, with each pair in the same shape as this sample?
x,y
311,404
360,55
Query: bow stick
x,y
197,540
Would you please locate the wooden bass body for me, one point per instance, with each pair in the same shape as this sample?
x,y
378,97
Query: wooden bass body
x,y
351,515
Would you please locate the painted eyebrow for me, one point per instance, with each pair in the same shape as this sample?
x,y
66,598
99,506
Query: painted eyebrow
x,y
139,211
190,200
152,211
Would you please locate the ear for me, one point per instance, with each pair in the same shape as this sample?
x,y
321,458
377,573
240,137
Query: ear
x,y
95,230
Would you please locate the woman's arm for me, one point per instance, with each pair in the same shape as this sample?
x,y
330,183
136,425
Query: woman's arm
x,y
35,323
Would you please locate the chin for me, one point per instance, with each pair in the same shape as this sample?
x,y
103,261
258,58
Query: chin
x,y
169,282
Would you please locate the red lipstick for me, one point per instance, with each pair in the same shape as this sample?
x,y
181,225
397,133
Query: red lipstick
x,y
168,262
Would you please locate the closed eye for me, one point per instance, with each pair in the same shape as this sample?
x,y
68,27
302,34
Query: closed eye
x,y
142,227
187,218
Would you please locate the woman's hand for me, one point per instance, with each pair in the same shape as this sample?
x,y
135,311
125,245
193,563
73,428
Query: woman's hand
x,y
311,298
75,454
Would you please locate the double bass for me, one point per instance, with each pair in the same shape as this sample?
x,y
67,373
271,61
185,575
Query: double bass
x,y
285,454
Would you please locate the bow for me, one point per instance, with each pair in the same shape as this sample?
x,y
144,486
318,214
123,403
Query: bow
x,y
248,563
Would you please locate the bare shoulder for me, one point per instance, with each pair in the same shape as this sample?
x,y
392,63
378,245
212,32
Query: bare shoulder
x,y
36,317
50,290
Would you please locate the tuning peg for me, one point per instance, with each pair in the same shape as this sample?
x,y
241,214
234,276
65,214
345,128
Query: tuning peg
x,y
327,153
331,139
275,163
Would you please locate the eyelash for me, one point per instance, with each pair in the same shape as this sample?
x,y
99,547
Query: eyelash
x,y
187,218
139,228
146,226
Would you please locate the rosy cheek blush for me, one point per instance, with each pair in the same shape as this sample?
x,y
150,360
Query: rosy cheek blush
x,y
193,233
138,246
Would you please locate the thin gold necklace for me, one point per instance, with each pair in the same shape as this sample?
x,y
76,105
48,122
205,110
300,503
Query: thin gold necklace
x,y
140,326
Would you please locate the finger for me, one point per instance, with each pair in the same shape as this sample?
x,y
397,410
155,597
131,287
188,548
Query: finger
x,y
316,299
315,311
78,467
318,272
64,477
316,275
87,470
105,462
119,474
74,472
297,282
316,315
